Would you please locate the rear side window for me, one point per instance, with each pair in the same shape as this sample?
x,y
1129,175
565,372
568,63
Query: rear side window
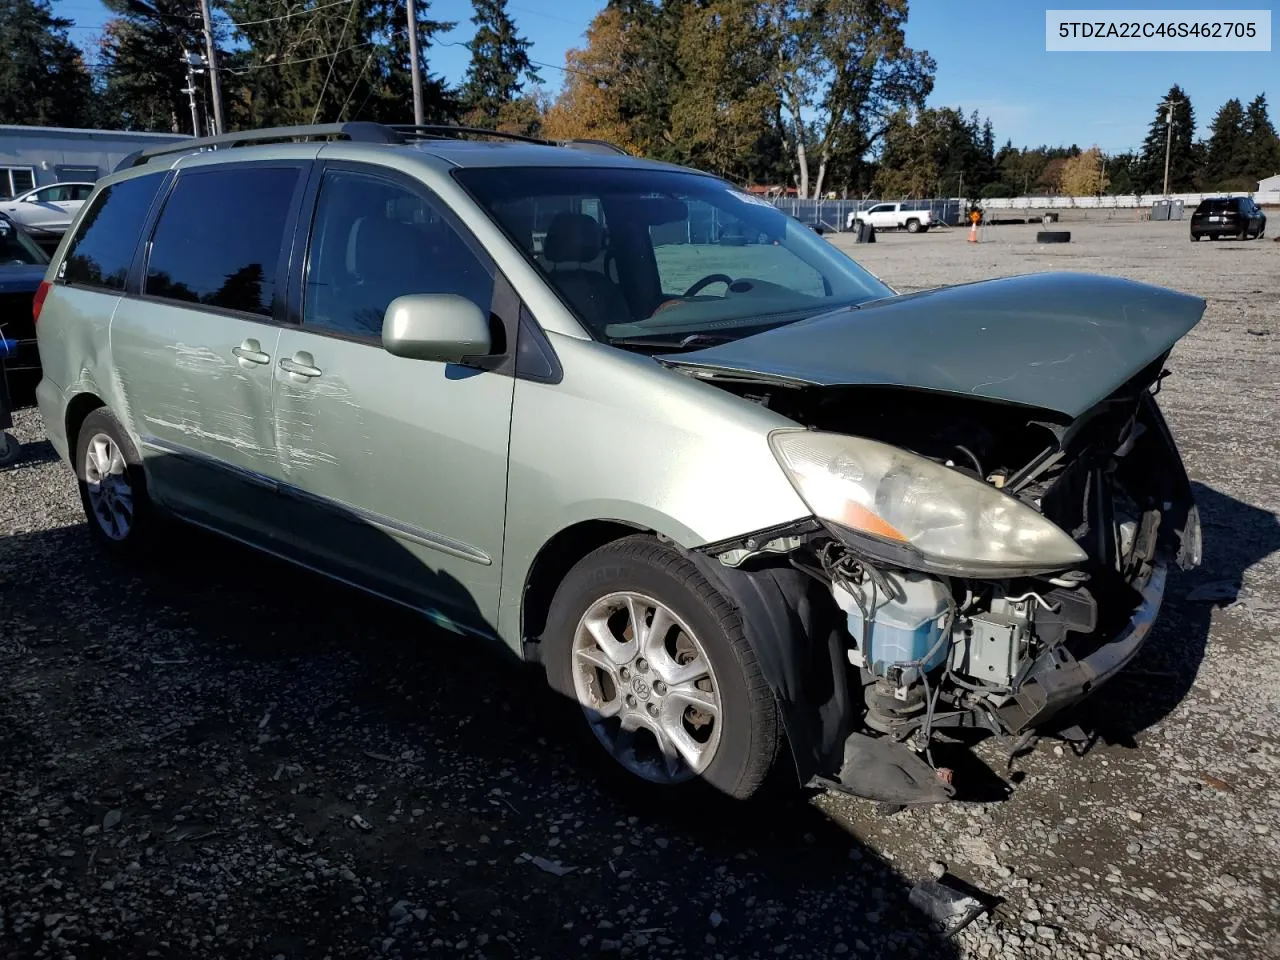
x,y
100,253
219,238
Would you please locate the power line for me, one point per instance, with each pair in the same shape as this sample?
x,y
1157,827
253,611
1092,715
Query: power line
x,y
286,16
285,63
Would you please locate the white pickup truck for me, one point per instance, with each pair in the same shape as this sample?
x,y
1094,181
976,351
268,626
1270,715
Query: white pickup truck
x,y
913,217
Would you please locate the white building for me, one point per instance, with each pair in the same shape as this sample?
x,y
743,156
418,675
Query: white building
x,y
36,156
1270,184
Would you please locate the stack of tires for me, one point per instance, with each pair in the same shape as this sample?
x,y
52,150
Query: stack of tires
x,y
863,232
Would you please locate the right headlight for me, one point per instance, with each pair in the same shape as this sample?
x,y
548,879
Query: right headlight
x,y
948,522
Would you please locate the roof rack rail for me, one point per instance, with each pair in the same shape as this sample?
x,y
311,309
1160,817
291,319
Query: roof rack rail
x,y
362,131
359,130
591,146
426,131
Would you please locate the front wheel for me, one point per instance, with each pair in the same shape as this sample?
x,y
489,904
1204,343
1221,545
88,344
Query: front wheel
x,y
655,660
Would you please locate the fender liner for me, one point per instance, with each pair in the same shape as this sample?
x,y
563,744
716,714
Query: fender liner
x,y
796,632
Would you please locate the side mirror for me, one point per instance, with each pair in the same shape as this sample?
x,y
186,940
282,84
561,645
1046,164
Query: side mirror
x,y
435,326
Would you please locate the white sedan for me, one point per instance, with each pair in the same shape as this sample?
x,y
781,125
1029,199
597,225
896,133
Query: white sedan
x,y
47,211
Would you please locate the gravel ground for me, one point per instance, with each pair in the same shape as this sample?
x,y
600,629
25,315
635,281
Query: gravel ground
x,y
221,757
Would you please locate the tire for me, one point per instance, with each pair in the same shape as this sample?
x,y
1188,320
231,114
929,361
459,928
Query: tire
x,y
10,448
913,225
1195,237
108,504
748,739
1053,236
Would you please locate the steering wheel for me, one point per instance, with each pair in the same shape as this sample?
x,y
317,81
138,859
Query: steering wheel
x,y
706,282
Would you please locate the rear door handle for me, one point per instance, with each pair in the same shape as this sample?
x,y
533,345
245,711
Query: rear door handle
x,y
299,365
250,351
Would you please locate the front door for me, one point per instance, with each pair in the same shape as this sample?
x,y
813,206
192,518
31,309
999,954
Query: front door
x,y
199,344
397,468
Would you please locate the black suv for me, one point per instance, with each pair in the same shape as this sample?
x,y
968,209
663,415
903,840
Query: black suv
x,y
1237,217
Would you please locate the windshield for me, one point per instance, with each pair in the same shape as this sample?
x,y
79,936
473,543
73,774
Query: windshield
x,y
16,247
664,257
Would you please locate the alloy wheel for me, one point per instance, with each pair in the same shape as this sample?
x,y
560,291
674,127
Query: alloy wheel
x,y
647,687
107,482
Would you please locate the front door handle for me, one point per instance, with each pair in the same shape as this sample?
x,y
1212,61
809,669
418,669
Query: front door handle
x,y
250,351
300,365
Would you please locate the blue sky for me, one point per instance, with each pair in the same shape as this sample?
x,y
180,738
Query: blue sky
x,y
990,56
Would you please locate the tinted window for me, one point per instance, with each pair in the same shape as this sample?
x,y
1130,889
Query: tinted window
x,y
100,254
54,194
219,237
373,241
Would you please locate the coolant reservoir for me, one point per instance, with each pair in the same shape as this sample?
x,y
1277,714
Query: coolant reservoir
x,y
902,629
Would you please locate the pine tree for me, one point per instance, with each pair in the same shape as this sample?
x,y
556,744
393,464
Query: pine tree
x,y
1182,151
1226,158
499,59
43,80
143,50
1262,153
328,63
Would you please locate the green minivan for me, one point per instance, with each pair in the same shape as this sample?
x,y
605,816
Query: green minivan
x,y
746,507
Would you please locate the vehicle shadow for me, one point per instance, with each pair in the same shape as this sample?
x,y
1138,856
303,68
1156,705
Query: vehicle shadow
x,y
361,756
1237,535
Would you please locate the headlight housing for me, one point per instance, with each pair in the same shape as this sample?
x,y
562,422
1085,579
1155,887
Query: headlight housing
x,y
920,513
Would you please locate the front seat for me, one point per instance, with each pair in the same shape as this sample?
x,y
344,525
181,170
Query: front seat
x,y
575,239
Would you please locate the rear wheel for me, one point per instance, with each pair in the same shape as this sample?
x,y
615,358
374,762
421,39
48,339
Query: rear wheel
x,y
1195,237
913,225
113,488
653,658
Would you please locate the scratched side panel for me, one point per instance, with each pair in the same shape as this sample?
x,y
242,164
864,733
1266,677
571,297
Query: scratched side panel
x,y
201,415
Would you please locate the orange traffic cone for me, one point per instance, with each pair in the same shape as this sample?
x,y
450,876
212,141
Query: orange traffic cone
x,y
973,231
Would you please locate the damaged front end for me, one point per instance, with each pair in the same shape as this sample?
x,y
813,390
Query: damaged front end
x,y
970,564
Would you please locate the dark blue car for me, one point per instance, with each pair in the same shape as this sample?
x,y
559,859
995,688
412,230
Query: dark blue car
x,y
22,267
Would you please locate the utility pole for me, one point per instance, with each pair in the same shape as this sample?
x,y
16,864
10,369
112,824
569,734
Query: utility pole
x,y
961,188
414,67
192,60
211,57
1168,142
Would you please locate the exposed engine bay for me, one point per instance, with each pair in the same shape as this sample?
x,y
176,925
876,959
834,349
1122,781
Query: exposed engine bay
x,y
924,649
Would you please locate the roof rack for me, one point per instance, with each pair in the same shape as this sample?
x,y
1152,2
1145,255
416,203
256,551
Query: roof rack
x,y
428,131
361,131
358,130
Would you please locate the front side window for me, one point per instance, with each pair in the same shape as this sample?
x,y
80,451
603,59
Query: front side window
x,y
219,238
645,255
373,240
102,249
57,193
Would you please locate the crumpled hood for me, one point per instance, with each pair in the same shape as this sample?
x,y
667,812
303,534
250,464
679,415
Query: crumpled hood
x,y
1057,341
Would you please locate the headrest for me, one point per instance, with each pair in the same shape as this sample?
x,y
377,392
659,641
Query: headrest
x,y
572,238
379,247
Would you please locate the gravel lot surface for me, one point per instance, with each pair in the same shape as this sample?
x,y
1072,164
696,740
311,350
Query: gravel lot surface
x,y
218,756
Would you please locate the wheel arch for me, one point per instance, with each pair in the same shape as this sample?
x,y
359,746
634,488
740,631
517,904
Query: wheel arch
x,y
79,407
554,559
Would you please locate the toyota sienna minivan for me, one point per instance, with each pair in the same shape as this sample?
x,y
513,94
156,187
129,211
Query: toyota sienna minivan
x,y
746,507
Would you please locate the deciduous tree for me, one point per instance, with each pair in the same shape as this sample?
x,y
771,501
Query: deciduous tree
x,y
1083,175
